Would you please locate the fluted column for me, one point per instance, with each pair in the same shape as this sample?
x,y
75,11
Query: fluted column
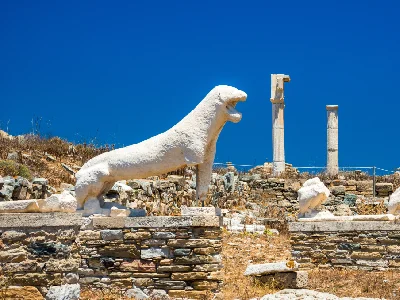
x,y
332,163
278,134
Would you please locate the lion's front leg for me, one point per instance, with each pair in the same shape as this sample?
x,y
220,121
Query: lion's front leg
x,y
203,175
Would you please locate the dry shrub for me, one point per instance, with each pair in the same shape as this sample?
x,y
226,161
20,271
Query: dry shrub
x,y
377,208
12,168
356,283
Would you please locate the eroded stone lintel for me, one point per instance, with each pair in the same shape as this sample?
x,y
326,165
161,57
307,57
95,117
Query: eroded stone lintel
x,y
340,226
157,222
34,220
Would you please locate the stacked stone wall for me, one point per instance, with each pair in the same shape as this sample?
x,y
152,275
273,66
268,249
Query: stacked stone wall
x,y
366,245
178,255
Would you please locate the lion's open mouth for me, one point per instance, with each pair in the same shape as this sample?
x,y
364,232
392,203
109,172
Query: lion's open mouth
x,y
234,115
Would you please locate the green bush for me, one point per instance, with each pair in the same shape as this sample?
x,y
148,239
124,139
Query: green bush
x,y
12,168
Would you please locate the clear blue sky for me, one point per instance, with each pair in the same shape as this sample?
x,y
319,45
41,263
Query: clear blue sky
x,y
123,71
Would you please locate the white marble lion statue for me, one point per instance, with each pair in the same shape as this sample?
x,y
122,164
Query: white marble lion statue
x,y
191,142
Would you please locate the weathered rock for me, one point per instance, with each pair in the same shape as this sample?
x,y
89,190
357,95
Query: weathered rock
x,y
155,253
21,292
136,293
64,292
63,202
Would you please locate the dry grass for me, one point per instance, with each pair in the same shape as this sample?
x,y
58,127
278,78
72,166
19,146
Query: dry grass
x,y
241,249
32,152
356,283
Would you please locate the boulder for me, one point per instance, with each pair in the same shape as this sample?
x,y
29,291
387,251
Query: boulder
x,y
136,293
343,210
312,194
64,292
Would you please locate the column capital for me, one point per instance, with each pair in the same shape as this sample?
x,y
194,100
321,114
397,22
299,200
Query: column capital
x,y
332,107
277,81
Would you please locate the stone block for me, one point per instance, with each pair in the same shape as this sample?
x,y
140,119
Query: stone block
x,y
108,222
174,268
204,251
207,268
89,235
384,187
198,259
341,226
394,249
122,250
182,252
204,285
37,220
365,255
163,235
12,236
62,265
338,190
287,280
167,284
36,279
153,242
200,211
13,255
155,253
189,276
141,235
138,266
373,263
111,235
21,292
189,243
173,222
188,294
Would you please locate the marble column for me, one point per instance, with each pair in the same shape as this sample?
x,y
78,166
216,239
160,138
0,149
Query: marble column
x,y
332,162
278,105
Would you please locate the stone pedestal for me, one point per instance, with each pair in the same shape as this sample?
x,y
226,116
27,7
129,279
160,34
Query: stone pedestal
x,y
332,165
278,105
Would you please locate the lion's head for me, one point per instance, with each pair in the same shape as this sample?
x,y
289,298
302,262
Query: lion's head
x,y
227,99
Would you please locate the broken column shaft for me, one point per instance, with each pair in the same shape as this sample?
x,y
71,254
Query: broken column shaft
x,y
332,164
278,105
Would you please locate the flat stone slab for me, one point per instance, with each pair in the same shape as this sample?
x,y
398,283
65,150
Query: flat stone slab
x,y
157,222
200,211
271,268
341,226
307,294
34,220
386,217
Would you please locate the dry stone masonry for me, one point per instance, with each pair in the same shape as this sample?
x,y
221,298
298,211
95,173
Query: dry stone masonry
x,y
178,256
367,245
